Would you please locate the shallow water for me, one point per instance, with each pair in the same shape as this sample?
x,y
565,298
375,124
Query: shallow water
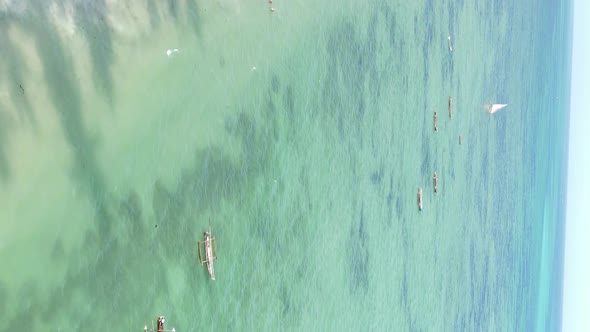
x,y
301,137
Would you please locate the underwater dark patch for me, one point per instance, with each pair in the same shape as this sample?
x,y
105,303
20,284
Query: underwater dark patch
x,y
361,108
359,257
58,251
285,300
398,206
270,107
194,15
173,8
340,124
5,128
274,83
425,165
164,204
389,204
290,100
130,207
92,17
3,296
154,14
404,290
377,176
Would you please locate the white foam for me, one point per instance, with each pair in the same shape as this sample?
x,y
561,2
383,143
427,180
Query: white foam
x,y
169,52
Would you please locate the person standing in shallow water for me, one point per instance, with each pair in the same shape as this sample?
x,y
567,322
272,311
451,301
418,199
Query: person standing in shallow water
x,y
160,324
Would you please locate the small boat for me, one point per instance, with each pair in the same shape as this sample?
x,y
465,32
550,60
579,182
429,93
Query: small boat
x,y
435,122
495,108
420,198
209,247
449,43
159,326
435,180
460,139
451,107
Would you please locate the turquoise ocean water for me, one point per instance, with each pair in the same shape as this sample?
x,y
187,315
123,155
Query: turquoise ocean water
x,y
301,137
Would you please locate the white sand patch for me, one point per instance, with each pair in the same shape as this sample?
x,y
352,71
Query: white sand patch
x,y
128,20
62,16
38,201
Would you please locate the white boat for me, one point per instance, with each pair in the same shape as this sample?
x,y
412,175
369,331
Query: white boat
x,y
451,107
495,108
209,247
420,199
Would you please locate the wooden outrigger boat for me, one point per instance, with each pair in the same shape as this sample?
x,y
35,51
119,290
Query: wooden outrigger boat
x,y
451,107
435,180
209,247
435,122
420,198
159,326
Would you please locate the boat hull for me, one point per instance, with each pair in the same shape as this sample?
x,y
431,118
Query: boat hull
x,y
207,248
209,257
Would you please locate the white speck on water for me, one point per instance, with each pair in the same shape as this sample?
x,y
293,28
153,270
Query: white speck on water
x,y
169,52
